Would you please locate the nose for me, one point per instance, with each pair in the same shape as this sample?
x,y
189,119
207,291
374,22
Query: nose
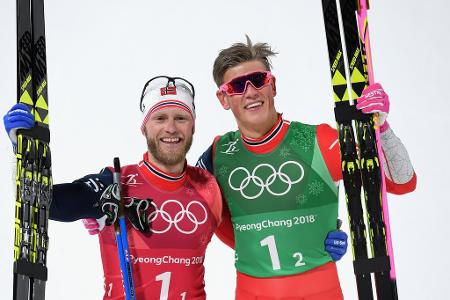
x,y
171,126
250,90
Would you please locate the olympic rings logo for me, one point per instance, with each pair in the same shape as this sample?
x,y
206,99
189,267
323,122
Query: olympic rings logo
x,y
179,216
265,185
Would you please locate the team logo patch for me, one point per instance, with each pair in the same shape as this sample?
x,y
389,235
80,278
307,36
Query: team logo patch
x,y
131,180
169,90
230,148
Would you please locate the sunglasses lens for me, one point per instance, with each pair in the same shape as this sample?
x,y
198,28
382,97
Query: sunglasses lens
x,y
257,79
238,85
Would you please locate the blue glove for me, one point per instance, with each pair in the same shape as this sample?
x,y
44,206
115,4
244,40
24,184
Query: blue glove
x,y
336,244
18,117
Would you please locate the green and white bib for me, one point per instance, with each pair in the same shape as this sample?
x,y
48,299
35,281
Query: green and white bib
x,y
282,203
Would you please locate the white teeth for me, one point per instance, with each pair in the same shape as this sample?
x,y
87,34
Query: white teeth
x,y
253,105
170,140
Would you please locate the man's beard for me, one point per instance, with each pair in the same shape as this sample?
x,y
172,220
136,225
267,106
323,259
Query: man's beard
x,y
169,158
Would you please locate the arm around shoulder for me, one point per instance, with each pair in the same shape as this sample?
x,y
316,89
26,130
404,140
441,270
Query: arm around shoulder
x,y
77,200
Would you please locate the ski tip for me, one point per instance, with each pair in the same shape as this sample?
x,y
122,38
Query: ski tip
x,y
116,164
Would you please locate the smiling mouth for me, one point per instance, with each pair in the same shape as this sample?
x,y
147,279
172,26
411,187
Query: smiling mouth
x,y
254,105
172,140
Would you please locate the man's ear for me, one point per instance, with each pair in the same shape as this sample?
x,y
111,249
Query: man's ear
x,y
274,86
222,99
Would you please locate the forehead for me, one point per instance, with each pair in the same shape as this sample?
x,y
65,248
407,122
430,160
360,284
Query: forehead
x,y
171,111
243,68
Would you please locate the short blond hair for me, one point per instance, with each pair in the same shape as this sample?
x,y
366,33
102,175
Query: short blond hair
x,y
239,53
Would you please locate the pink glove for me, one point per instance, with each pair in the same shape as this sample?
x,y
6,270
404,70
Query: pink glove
x,y
375,100
94,226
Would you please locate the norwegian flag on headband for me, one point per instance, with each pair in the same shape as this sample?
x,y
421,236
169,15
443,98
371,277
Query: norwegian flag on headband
x,y
169,90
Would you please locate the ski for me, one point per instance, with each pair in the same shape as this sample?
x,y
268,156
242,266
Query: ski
x,y
33,167
361,168
350,161
386,240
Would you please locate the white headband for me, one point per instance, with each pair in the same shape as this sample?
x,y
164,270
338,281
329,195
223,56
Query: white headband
x,y
161,96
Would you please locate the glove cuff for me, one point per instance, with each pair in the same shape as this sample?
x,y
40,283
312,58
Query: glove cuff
x,y
384,127
13,136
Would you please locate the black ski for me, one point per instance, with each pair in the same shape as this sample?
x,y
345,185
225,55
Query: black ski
x,y
33,171
359,169
379,264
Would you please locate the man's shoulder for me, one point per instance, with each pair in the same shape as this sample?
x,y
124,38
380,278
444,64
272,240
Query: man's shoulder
x,y
129,168
198,174
321,126
325,130
227,136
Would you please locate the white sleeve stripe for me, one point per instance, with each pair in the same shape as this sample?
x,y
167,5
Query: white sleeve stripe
x,y
333,144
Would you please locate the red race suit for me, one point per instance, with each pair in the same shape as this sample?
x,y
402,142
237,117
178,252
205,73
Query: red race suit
x,y
167,263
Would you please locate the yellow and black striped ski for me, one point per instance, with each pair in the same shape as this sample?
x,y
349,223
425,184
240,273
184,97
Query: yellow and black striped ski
x,y
360,166
33,169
